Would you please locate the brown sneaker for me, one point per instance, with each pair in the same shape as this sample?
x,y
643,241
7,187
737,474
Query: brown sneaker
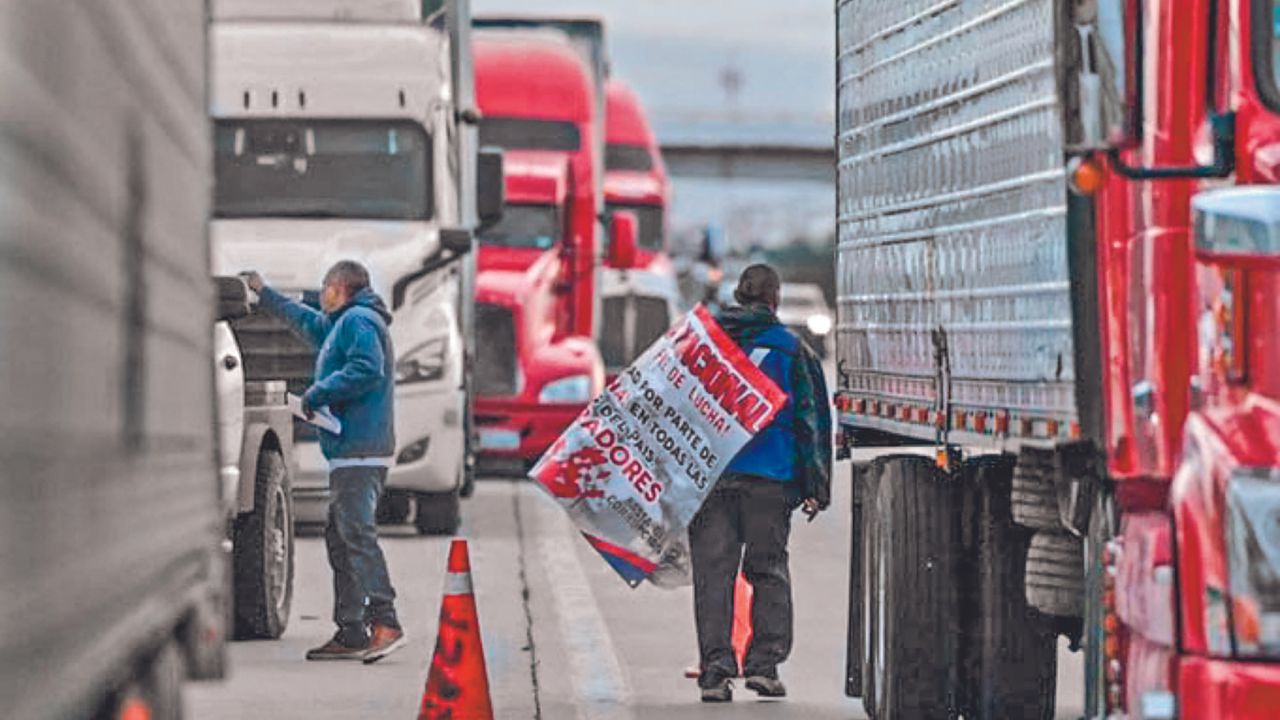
x,y
383,641
334,650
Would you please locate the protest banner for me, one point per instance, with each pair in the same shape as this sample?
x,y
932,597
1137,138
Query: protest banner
x,y
634,467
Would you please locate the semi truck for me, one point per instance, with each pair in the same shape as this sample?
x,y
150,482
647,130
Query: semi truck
x,y
534,293
641,298
1058,246
351,138
113,578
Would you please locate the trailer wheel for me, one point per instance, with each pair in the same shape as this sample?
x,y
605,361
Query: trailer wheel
x,y
163,682
1012,653
394,507
263,560
438,513
154,691
914,603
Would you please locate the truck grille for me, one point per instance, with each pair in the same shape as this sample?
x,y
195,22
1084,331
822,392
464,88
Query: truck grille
x,y
629,331
613,333
496,364
273,352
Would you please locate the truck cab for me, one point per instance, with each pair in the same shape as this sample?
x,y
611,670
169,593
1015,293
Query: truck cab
x,y
641,296
338,140
535,374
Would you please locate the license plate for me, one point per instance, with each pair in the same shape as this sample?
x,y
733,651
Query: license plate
x,y
499,440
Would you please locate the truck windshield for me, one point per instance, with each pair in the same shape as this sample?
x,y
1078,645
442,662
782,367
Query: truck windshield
x,y
322,169
649,225
1267,50
511,133
618,156
524,226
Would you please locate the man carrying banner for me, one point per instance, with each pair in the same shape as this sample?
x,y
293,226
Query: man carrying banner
x,y
785,466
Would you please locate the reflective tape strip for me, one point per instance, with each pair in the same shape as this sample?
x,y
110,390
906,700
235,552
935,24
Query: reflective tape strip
x,y
758,355
456,583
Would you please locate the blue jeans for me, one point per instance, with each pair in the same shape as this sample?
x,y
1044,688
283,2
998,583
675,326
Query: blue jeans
x,y
362,592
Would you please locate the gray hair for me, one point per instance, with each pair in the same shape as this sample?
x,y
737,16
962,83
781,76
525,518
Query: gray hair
x,y
350,274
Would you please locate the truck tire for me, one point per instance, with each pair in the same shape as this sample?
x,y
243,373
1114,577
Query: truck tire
x,y
1034,499
1011,652
163,683
914,601
263,556
394,507
438,513
1055,574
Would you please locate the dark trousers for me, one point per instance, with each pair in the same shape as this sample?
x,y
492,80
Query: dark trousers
x,y
752,513
362,591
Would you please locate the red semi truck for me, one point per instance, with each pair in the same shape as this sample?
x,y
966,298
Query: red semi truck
x,y
1059,239
537,364
640,299
635,177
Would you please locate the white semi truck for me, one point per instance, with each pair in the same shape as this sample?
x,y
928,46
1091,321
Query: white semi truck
x,y
343,130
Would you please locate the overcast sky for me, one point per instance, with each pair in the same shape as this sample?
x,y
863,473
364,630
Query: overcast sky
x,y
675,52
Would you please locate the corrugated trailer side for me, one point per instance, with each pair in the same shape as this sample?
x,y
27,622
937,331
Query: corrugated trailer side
x,y
109,508
953,272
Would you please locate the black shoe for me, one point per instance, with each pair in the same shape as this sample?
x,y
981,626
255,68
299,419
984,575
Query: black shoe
x,y
718,690
766,686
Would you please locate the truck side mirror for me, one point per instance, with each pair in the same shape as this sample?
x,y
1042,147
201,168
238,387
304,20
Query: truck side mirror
x,y
233,297
456,240
1108,84
491,188
622,239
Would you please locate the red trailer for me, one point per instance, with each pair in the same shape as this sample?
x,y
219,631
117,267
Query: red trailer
x,y
1059,240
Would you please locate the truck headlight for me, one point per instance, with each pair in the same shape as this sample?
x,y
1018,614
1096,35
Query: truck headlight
x,y
1253,560
424,363
819,324
572,389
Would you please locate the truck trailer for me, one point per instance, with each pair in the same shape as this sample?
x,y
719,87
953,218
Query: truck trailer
x,y
1058,245
113,580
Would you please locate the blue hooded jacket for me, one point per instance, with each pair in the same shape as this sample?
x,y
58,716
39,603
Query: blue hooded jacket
x,y
355,370
795,448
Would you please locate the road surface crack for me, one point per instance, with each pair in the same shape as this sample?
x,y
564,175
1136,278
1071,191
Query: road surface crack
x,y
530,646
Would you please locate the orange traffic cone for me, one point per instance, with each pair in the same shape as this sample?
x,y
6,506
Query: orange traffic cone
x,y
458,684
743,594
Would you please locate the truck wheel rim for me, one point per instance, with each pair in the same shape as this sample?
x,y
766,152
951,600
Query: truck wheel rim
x,y
278,544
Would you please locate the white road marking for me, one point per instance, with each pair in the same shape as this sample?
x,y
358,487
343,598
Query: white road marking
x,y
599,684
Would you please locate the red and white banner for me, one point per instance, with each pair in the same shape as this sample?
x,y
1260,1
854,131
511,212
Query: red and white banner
x,y
635,466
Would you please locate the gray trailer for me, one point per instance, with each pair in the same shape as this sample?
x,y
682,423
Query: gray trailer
x,y
962,276
112,576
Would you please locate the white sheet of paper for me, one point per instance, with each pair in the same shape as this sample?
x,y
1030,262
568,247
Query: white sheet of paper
x,y
323,418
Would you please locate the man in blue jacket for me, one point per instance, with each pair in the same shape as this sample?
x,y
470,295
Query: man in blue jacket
x,y
747,516
354,378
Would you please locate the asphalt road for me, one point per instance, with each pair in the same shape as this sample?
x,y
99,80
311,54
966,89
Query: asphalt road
x,y
582,645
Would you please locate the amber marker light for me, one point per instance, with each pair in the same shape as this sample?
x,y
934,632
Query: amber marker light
x,y
1085,175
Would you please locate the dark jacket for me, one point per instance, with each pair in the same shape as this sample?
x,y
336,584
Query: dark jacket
x,y
355,370
807,413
